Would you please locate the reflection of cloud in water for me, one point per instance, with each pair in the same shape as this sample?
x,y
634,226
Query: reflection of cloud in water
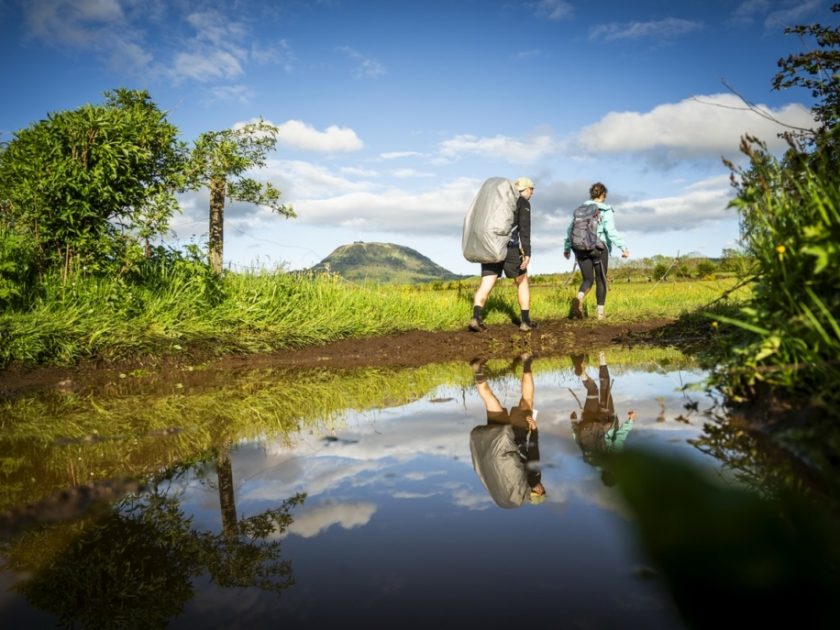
x,y
311,522
471,499
387,452
413,495
317,476
422,476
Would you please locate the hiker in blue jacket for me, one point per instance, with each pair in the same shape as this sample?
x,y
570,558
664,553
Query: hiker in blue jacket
x,y
598,431
593,265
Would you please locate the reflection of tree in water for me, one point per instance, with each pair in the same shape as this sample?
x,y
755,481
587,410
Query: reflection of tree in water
x,y
134,566
758,462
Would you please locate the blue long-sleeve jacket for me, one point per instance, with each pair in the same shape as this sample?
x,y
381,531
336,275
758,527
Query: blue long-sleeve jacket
x,y
607,231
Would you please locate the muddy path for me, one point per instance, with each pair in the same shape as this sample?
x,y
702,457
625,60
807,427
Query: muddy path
x,y
400,350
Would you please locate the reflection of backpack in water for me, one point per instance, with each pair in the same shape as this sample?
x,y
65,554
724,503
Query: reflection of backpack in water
x,y
489,221
498,463
585,228
600,437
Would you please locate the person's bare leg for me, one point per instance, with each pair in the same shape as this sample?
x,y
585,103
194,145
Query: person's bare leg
x,y
483,291
523,292
491,403
481,296
527,400
488,398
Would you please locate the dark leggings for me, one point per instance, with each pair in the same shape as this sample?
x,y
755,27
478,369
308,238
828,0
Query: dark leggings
x,y
593,267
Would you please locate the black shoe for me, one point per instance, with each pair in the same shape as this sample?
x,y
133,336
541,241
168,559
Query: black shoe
x,y
577,361
476,325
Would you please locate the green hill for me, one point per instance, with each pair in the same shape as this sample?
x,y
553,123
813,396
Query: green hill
x,y
382,262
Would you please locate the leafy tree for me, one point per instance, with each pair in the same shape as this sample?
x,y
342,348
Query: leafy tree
x,y
790,228
88,185
219,161
660,271
818,71
706,268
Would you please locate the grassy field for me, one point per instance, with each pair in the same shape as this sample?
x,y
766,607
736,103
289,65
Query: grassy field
x,y
181,308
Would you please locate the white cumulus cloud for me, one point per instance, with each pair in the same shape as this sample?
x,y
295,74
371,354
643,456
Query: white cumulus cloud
x,y
702,202
333,139
396,155
299,179
703,125
514,150
436,211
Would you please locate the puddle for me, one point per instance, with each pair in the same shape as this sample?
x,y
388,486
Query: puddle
x,y
262,498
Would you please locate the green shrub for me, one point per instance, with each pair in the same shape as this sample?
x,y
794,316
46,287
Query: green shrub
x,y
790,333
17,270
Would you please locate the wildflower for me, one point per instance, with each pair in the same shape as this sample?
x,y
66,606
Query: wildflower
x,y
780,250
714,325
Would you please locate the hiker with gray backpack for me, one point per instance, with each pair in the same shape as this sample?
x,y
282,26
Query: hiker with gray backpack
x,y
591,236
505,451
497,234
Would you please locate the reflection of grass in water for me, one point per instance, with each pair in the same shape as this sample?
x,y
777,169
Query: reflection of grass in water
x,y
57,440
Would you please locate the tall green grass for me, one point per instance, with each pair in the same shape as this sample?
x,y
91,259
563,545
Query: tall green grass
x,y
789,333
173,307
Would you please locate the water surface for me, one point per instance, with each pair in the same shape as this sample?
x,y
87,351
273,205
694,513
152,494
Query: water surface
x,y
272,498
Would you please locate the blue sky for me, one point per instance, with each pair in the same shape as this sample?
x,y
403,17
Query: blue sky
x,y
392,113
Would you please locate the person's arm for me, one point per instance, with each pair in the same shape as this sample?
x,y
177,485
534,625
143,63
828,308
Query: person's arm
x,y
532,458
567,244
612,233
525,227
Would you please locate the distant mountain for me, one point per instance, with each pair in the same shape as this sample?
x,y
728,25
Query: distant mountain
x,y
383,262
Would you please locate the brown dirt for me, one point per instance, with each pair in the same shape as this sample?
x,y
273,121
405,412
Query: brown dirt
x,y
408,349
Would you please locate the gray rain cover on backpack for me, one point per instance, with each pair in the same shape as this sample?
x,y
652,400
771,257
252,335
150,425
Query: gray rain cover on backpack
x,y
497,462
489,221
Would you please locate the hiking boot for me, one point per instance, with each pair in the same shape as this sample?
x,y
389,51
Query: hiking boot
x,y
476,325
577,309
527,326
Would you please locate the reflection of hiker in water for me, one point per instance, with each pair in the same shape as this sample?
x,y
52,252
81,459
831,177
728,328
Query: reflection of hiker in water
x,y
599,432
505,451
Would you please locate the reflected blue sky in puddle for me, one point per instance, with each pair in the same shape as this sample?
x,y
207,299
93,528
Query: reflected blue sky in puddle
x,y
397,524
397,527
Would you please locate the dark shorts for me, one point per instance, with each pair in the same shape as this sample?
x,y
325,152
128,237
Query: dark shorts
x,y
516,416
510,265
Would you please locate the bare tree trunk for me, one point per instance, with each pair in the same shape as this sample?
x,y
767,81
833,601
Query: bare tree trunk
x,y
217,218
227,500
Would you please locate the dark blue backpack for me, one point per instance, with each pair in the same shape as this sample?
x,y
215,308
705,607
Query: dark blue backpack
x,y
585,228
